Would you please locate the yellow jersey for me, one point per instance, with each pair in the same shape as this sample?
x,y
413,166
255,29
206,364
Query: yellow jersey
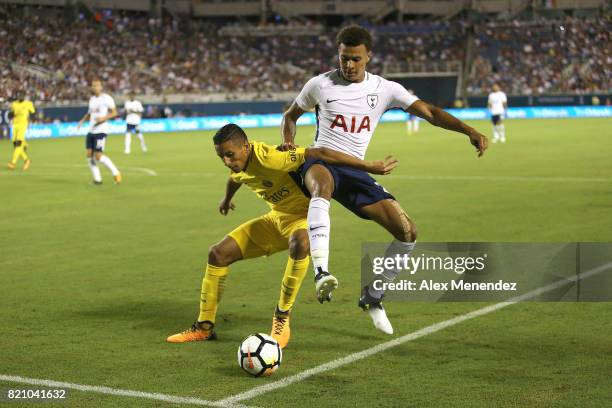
x,y
21,111
268,174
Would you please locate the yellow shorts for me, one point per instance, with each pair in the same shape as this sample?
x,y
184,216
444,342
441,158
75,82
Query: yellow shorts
x,y
19,132
267,234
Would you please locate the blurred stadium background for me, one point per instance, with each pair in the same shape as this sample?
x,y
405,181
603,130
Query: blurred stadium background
x,y
203,57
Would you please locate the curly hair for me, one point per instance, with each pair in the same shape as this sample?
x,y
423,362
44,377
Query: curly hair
x,y
354,36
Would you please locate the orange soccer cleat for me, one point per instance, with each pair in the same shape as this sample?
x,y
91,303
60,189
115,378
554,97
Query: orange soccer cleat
x,y
11,166
118,178
199,331
280,328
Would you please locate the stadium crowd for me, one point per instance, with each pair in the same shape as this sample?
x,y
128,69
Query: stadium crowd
x,y
54,60
532,58
149,57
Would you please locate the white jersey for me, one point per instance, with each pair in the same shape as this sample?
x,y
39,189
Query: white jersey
x,y
496,102
134,112
100,106
348,112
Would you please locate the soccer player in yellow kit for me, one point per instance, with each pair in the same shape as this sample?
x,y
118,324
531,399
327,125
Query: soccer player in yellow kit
x,y
20,112
268,172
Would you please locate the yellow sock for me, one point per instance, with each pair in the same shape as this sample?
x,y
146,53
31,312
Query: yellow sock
x,y
24,154
213,285
292,280
16,154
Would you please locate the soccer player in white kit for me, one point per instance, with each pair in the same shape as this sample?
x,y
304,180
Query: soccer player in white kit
x,y
101,109
349,102
133,109
497,104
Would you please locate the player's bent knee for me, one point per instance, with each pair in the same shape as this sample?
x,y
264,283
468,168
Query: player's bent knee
x,y
299,245
217,256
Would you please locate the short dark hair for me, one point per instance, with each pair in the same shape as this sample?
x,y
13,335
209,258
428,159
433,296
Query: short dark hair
x,y
230,131
354,36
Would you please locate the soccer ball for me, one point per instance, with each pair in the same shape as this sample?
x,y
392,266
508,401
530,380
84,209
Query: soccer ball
x,y
259,355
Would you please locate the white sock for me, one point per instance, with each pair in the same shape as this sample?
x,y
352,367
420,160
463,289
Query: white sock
x,y
409,126
95,170
105,160
143,146
416,125
395,248
318,232
128,142
502,131
495,134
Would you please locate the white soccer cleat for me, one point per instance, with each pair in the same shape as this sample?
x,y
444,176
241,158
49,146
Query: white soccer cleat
x,y
380,319
325,284
376,311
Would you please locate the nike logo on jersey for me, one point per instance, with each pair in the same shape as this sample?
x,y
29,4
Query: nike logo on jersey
x,y
332,100
314,228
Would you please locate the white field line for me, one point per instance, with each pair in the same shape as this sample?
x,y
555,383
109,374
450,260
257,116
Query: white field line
x,y
145,170
442,178
31,173
351,358
116,391
542,179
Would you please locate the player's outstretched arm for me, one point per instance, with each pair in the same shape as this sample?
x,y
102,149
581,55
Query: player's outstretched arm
x,y
226,203
289,125
439,117
334,157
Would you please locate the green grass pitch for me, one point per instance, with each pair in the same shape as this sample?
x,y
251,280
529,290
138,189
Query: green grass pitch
x,y
93,279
